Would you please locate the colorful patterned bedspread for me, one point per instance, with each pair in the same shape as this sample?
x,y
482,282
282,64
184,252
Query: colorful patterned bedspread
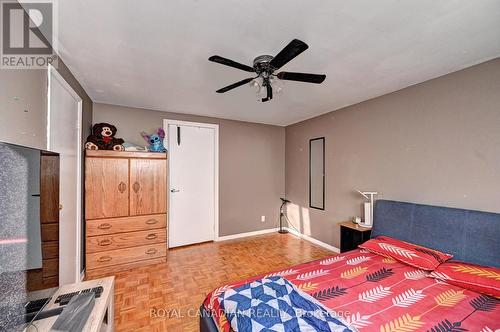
x,y
375,293
275,304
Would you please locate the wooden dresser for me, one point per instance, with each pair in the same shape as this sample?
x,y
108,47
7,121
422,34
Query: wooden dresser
x,y
125,210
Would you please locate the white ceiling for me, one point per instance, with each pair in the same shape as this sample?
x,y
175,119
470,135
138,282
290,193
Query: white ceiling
x,y
153,54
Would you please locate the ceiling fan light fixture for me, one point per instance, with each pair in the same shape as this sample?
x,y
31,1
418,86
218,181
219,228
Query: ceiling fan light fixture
x,y
277,84
259,86
256,82
265,67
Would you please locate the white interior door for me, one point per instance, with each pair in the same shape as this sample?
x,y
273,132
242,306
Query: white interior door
x,y
64,137
192,184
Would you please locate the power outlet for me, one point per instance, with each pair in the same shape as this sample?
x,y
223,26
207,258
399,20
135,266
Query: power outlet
x,y
263,218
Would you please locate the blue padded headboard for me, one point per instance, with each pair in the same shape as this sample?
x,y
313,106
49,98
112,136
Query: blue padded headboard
x,y
471,236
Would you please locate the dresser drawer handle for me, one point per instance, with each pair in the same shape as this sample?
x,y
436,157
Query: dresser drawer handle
x,y
151,236
104,226
151,221
103,259
151,251
136,186
105,242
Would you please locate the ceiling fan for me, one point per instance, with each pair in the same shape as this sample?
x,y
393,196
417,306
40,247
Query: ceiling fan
x,y
265,66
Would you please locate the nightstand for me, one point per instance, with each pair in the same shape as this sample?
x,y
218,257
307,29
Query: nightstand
x,y
352,235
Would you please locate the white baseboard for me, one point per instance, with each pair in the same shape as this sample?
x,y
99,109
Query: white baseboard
x,y
240,235
271,230
313,240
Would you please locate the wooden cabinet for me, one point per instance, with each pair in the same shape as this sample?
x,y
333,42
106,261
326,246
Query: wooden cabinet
x,y
148,181
106,187
125,210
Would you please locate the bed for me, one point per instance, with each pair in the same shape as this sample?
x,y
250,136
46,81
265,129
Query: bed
x,y
376,293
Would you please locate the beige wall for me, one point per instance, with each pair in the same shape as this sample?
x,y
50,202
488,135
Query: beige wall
x,y
251,163
435,143
23,105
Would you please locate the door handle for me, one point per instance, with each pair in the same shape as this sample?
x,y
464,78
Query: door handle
x,y
136,187
174,190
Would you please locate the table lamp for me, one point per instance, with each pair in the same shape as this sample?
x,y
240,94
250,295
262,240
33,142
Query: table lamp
x,y
368,207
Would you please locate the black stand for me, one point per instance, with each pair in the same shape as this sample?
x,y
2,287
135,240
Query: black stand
x,y
282,216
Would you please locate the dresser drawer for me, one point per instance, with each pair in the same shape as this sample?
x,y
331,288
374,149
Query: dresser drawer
x,y
125,240
125,224
124,256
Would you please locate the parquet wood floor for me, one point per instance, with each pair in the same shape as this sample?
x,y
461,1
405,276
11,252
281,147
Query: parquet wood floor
x,y
174,290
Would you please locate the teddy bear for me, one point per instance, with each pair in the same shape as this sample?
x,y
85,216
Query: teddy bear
x,y
103,138
155,141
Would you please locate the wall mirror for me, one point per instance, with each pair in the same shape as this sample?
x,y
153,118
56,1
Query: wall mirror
x,y
317,173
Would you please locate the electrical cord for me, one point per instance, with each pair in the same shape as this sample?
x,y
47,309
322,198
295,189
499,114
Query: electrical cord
x,y
290,224
287,221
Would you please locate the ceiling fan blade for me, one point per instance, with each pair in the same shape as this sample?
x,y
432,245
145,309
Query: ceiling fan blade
x,y
234,85
301,77
230,63
294,48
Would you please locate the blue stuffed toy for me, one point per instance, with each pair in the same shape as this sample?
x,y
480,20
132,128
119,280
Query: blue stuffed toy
x,y
155,141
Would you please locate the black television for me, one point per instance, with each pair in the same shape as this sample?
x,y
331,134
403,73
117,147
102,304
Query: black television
x,y
29,233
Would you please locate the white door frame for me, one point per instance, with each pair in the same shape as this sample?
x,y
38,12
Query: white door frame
x,y
52,73
167,122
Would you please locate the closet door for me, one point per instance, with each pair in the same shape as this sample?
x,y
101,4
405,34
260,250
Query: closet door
x,y
106,187
148,181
